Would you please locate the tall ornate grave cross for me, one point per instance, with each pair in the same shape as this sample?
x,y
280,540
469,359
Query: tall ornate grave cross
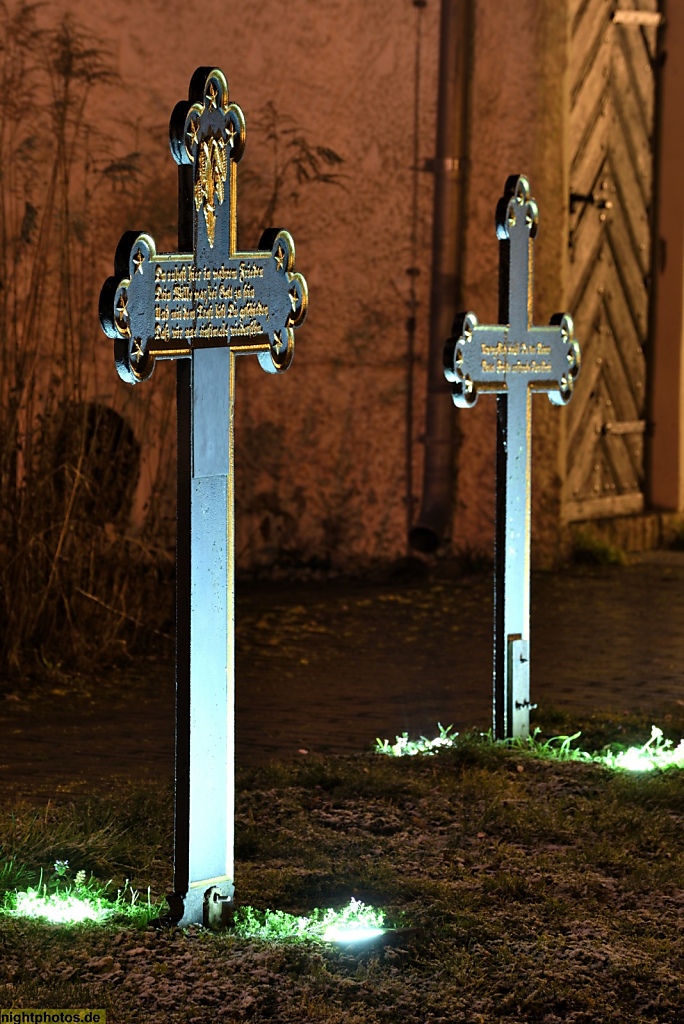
x,y
512,359
203,306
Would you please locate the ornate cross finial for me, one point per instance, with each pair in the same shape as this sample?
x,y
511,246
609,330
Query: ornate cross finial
x,y
514,355
209,133
161,306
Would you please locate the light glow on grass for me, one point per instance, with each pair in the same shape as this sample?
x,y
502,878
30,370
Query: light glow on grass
x,y
67,901
656,753
354,923
60,908
338,933
404,747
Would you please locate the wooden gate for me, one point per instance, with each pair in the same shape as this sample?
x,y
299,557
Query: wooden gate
x,y
612,63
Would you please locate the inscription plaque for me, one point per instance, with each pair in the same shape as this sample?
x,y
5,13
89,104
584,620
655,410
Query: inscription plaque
x,y
512,359
203,306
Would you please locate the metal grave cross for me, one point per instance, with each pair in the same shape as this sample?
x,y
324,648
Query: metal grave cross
x,y
204,307
512,359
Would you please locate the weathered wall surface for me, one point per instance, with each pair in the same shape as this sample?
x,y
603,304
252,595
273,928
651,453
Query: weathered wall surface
x,y
322,450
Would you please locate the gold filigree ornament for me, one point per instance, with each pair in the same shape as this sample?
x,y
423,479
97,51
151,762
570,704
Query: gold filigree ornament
x,y
138,351
121,318
210,182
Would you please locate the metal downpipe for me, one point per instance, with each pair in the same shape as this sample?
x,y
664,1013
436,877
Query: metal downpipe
x,y
455,48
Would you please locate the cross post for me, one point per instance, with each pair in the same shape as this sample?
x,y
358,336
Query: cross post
x,y
512,359
203,306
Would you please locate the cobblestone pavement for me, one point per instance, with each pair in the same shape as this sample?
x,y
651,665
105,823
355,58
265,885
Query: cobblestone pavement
x,y
327,667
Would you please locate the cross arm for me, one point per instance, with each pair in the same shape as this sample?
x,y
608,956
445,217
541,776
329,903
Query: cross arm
x,y
163,306
473,359
495,358
570,358
289,293
133,364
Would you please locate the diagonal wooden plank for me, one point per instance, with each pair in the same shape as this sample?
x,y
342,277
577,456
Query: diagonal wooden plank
x,y
636,46
586,234
619,224
586,273
620,390
599,400
605,473
625,477
635,446
591,34
581,460
631,222
588,317
585,390
631,195
628,271
576,11
587,165
588,125
619,473
629,347
632,69
633,121
602,464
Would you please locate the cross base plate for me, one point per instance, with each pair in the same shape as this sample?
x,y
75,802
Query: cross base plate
x,y
208,907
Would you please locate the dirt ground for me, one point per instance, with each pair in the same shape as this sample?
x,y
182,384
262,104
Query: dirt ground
x,y
327,667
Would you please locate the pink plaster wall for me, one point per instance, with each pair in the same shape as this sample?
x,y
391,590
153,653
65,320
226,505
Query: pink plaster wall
x,y
321,451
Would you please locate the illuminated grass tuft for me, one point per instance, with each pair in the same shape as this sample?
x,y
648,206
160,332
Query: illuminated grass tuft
x,y
67,901
404,747
59,908
656,753
354,923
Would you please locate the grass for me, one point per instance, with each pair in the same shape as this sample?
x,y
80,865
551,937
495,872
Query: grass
x,y
354,922
590,549
516,889
63,899
404,747
655,753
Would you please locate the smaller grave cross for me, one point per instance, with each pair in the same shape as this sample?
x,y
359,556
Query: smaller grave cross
x,y
203,306
512,359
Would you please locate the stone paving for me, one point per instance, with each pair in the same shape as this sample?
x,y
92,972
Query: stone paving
x,y
327,667
392,659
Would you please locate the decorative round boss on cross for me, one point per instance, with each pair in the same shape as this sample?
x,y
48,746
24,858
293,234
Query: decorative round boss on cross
x,y
515,206
207,119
